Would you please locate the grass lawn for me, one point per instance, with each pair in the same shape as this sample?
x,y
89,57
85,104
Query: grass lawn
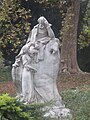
x,y
78,100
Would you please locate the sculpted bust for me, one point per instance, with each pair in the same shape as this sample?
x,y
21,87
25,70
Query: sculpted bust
x,y
36,68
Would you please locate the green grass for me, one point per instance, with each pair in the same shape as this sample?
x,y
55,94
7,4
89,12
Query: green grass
x,y
78,100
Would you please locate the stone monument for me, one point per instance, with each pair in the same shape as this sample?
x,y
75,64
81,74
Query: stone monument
x,y
36,69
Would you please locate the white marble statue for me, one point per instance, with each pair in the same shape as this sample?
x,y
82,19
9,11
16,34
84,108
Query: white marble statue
x,y
36,68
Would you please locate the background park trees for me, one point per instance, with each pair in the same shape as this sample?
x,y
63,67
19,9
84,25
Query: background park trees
x,y
14,27
63,14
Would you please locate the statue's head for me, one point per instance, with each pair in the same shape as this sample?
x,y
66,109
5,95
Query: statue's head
x,y
42,20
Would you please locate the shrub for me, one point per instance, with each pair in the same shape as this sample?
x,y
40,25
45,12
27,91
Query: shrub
x,y
11,109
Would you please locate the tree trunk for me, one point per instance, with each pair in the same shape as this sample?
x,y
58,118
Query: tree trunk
x,y
69,39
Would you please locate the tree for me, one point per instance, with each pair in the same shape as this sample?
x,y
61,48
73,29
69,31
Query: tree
x,y
69,39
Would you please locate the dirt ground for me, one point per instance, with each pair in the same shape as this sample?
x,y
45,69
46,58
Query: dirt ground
x,y
64,82
72,81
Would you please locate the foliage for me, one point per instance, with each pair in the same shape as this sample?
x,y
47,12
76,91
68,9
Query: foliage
x,y
78,100
51,1
11,109
14,27
1,61
61,4
84,37
5,74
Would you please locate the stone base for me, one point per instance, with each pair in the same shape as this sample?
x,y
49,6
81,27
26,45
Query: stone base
x,y
58,114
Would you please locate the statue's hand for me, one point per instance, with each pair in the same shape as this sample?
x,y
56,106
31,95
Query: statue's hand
x,y
47,24
37,46
15,65
33,51
30,68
